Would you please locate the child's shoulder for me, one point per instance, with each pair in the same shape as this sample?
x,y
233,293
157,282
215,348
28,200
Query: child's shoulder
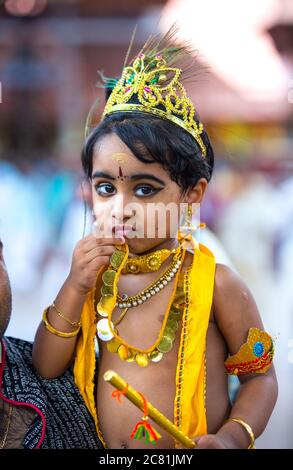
x,y
230,287
227,277
234,307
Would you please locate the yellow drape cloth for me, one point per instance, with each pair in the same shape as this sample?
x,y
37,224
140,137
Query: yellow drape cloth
x,y
189,404
189,409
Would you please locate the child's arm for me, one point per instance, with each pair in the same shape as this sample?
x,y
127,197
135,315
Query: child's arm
x,y
235,312
52,354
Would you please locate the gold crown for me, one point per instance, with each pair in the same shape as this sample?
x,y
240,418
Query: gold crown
x,y
154,88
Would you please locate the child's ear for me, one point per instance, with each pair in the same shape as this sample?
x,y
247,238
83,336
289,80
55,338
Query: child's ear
x,y
196,194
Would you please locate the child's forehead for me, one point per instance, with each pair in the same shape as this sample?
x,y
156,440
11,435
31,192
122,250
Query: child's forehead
x,y
111,144
111,152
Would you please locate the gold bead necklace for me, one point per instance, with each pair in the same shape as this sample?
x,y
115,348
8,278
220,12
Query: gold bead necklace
x,y
107,331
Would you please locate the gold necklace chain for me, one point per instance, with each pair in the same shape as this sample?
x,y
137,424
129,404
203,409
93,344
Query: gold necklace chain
x,y
117,322
115,344
155,287
147,292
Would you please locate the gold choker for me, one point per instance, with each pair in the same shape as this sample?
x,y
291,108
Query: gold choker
x,y
148,263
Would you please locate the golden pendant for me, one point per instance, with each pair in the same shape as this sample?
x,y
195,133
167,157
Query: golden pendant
x,y
154,263
123,352
101,311
156,356
106,303
147,263
141,359
103,330
165,344
116,259
113,345
107,290
131,357
169,333
108,277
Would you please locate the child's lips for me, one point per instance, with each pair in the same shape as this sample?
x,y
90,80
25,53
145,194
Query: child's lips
x,y
122,230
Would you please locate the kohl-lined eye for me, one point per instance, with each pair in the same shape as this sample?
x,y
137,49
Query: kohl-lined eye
x,y
105,189
145,190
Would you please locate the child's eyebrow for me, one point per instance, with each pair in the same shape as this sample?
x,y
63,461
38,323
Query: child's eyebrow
x,y
147,177
102,174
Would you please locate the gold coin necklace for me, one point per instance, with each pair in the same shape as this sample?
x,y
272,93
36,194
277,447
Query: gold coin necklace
x,y
106,329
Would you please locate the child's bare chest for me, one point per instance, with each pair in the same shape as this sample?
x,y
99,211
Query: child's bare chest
x,y
140,328
157,383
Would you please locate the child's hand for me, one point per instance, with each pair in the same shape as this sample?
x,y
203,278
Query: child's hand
x,y
208,441
89,255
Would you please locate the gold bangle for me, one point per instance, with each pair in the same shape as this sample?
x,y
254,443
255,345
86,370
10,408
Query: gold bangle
x,y
57,332
247,428
72,323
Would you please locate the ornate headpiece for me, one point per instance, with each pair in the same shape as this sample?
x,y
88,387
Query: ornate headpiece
x,y
151,85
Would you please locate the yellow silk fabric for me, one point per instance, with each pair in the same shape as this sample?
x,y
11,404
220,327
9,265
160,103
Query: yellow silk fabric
x,y
190,392
85,360
190,415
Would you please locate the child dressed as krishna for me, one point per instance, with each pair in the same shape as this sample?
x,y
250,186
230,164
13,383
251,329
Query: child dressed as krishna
x,y
168,319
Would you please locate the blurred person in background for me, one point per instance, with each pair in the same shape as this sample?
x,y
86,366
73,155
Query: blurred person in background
x,y
249,227
36,413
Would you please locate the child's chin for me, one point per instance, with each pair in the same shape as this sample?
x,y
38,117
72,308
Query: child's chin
x,y
137,245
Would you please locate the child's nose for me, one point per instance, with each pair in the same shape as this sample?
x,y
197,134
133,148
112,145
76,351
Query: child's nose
x,y
123,208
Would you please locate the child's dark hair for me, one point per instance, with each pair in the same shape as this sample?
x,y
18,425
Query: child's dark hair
x,y
153,139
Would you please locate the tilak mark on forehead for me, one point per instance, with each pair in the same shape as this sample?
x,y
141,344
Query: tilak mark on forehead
x,y
120,157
